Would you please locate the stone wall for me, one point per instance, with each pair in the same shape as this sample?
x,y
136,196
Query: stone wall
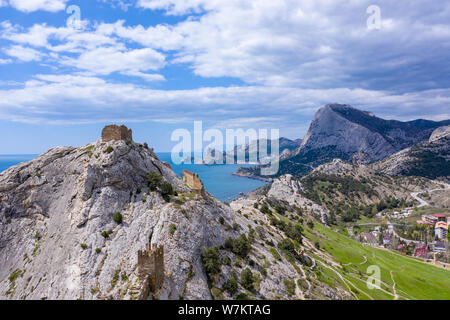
x,y
151,269
114,132
193,181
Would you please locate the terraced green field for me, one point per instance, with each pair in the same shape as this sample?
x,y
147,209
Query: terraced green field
x,y
401,277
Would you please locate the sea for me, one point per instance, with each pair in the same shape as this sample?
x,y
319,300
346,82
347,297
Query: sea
x,y
218,179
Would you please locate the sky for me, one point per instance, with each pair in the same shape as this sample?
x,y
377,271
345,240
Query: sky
x,y
68,68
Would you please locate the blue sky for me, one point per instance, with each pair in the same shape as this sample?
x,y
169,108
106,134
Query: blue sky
x,y
159,65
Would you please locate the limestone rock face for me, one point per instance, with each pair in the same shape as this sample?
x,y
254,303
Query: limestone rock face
x,y
287,188
58,239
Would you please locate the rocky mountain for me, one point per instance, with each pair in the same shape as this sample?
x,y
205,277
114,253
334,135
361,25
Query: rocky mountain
x,y
111,221
251,150
429,159
341,131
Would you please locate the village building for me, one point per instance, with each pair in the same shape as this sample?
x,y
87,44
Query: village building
x,y
441,229
386,239
421,251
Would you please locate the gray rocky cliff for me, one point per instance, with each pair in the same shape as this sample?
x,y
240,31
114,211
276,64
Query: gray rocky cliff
x,y
54,209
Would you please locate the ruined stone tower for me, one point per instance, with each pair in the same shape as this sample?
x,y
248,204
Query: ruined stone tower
x,y
114,132
193,181
151,269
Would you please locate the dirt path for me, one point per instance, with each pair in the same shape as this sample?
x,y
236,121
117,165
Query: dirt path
x,y
393,286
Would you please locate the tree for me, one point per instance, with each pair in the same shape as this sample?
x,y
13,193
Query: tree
x,y
117,217
231,286
153,180
166,190
247,279
211,261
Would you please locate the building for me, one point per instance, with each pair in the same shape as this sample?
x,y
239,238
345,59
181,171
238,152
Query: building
x,y
370,239
439,246
386,239
440,217
441,229
114,133
428,219
421,250
401,247
193,181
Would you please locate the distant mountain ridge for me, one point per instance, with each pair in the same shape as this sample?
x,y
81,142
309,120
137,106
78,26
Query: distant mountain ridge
x,y
286,147
343,132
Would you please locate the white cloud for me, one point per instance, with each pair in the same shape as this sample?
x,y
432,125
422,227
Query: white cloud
x,y
34,5
5,61
82,99
23,53
106,60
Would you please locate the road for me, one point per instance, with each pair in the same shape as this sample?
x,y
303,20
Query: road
x,y
423,203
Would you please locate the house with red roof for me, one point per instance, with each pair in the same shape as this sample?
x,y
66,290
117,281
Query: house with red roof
x,y
421,251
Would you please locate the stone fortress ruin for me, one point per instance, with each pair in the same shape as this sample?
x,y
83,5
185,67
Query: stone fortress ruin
x,y
151,269
114,132
193,181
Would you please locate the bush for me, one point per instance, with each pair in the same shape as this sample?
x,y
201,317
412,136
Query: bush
x,y
287,246
289,286
211,261
98,250
138,190
153,180
166,191
105,234
83,246
275,253
247,279
221,220
231,286
117,217
172,228
241,246
109,149
235,226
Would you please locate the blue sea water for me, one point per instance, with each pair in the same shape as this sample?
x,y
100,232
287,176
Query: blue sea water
x,y
218,179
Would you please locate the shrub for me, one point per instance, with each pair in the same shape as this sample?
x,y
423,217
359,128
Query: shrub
x,y
235,226
109,149
287,246
166,191
221,220
153,180
172,228
138,190
83,246
247,279
310,224
211,261
105,234
231,286
117,217
275,253
241,246
289,286
145,145
98,250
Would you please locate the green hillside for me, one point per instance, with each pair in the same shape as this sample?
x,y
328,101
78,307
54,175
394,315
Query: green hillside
x,y
413,279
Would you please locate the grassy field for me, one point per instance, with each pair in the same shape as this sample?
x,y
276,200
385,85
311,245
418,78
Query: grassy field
x,y
413,278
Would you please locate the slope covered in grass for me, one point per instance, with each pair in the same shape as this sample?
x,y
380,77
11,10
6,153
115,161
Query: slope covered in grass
x,y
401,277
